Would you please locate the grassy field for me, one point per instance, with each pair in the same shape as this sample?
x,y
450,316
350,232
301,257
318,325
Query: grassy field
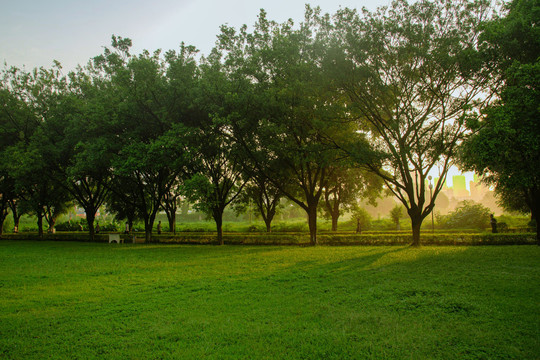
x,y
85,300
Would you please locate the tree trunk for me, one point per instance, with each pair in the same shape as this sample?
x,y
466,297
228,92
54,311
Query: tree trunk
x,y
40,224
3,215
335,215
130,225
148,225
217,214
312,222
335,221
16,220
416,222
269,217
52,223
172,222
147,235
90,221
16,215
268,223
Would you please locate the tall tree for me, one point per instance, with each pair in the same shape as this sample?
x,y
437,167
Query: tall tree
x,y
153,90
218,172
170,203
505,145
413,75
4,204
16,124
345,187
264,195
288,107
29,101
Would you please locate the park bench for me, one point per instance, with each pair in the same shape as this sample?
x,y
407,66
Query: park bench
x,y
115,238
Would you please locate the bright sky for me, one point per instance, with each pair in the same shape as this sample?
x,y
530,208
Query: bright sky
x,y
35,32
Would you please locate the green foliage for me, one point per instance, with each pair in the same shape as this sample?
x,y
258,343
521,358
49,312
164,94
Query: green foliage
x,y
302,109
400,67
261,198
287,113
73,225
361,218
505,145
467,215
396,214
295,236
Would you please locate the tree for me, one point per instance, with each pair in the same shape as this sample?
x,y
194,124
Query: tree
x,y
218,173
122,203
396,214
264,195
412,75
505,145
153,94
4,204
17,123
345,187
362,218
170,203
30,103
70,144
287,108
467,215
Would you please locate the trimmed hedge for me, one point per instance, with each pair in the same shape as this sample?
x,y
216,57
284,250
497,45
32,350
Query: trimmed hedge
x,y
67,236
301,239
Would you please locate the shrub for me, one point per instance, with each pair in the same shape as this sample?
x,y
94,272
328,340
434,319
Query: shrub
x,y
8,225
468,215
109,226
330,239
73,225
502,227
362,219
290,226
396,214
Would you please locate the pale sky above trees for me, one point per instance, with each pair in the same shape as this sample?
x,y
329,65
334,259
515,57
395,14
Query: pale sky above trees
x,y
35,32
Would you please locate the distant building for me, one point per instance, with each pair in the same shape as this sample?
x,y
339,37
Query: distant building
x,y
460,186
478,189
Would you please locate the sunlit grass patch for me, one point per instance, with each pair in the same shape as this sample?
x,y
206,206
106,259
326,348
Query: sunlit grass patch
x,y
149,301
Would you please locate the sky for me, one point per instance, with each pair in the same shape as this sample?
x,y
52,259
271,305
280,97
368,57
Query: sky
x,y
33,33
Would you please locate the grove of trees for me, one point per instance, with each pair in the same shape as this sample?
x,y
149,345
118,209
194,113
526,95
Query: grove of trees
x,y
323,113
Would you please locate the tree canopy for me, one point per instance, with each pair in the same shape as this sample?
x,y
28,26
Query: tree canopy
x,y
505,144
322,112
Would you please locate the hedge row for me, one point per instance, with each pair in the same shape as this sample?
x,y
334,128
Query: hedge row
x,y
300,238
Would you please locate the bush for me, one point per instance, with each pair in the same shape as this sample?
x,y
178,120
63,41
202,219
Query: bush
x,y
109,227
468,215
502,227
302,239
8,225
290,226
73,225
514,221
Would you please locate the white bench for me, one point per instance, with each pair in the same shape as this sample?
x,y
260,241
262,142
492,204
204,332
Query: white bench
x,y
115,238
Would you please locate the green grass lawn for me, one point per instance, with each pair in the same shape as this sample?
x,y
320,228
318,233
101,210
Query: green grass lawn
x,y
85,300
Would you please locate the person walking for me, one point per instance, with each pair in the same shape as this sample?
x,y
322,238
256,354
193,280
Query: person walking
x,y
493,222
